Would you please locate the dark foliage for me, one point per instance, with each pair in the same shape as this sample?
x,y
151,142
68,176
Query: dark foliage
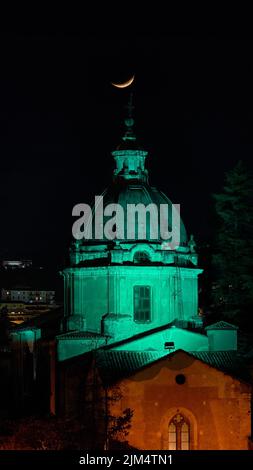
x,y
232,290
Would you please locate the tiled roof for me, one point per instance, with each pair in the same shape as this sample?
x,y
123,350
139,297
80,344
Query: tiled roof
x,y
80,334
114,364
125,362
222,325
227,361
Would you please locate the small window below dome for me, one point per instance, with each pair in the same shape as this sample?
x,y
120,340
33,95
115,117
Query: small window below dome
x,y
142,304
141,257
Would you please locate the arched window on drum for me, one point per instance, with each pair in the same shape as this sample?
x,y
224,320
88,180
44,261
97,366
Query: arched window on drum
x,y
141,257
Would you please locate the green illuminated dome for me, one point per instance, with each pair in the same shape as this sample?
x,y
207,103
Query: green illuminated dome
x,y
134,190
130,185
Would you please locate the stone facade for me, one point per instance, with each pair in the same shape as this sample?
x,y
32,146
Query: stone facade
x,y
216,405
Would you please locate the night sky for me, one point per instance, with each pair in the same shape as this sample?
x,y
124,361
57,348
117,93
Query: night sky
x,y
60,118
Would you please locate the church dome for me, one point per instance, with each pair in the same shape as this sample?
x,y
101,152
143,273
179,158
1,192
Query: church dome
x,y
136,191
154,220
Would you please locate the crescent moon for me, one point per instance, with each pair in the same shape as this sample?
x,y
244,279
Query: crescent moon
x,y
124,84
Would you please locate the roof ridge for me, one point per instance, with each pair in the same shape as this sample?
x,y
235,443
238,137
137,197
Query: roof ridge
x,y
222,324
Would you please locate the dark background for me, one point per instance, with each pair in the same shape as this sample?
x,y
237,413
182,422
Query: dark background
x,y
60,118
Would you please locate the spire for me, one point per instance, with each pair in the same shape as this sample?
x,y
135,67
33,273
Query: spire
x,y
129,156
129,121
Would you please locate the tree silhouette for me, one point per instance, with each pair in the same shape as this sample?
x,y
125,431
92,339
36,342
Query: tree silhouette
x,y
101,426
232,291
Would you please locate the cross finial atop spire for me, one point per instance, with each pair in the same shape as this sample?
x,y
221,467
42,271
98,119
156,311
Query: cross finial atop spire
x,y
129,156
129,121
130,106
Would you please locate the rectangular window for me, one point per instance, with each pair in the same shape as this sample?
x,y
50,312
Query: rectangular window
x,y
142,304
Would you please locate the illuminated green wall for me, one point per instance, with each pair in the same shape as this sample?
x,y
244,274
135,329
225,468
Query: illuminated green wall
x,y
93,292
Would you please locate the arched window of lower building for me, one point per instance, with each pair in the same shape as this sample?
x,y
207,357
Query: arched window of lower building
x,y
179,433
